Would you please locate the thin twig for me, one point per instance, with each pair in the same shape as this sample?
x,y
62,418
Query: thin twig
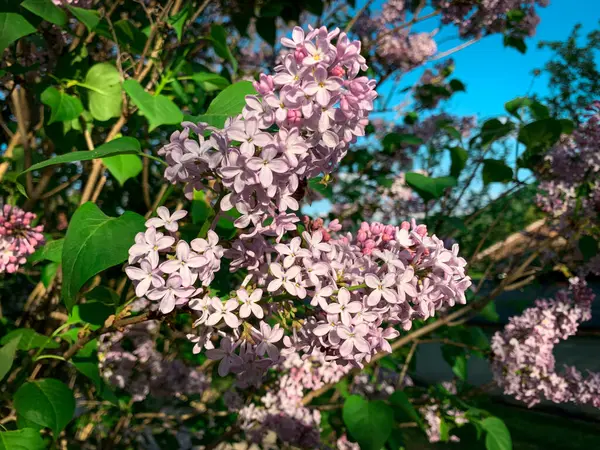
x,y
357,15
455,49
199,11
409,357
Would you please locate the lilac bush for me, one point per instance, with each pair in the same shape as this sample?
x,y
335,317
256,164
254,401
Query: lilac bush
x,y
237,225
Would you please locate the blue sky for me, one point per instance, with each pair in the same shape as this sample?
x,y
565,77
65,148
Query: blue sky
x,y
494,74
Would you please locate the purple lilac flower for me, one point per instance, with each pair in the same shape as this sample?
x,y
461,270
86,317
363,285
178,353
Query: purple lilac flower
x,y
18,238
523,362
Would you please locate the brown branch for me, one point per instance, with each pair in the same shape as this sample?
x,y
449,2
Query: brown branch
x,y
60,187
199,11
9,153
409,357
118,324
357,16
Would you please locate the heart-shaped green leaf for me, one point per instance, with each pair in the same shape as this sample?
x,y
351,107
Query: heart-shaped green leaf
x,y
123,167
230,102
46,10
95,242
25,439
104,96
158,109
13,27
429,188
63,107
369,422
45,403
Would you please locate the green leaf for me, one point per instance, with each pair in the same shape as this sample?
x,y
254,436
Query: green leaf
x,y
489,312
28,339
129,36
396,440
457,85
228,103
493,130
94,313
48,273
218,36
7,356
429,188
540,135
86,362
498,436
95,242
178,21
104,295
455,357
369,422
120,146
495,170
538,111
88,17
210,81
589,247
104,96
459,160
46,10
201,209
394,141
13,27
159,110
123,167
46,403
515,42
267,29
325,189
25,439
51,251
408,412
63,107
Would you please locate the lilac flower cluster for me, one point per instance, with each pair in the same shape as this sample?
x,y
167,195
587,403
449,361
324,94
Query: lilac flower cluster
x,y
18,238
164,269
570,190
79,3
318,104
311,291
394,46
143,370
523,362
404,50
281,411
435,411
354,291
476,18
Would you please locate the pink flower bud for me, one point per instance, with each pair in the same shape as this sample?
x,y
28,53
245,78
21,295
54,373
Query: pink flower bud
x,y
337,71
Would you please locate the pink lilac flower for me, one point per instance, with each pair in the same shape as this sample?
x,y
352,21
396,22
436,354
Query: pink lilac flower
x,y
164,219
18,238
143,370
250,303
570,187
317,105
523,363
225,354
324,291
281,410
